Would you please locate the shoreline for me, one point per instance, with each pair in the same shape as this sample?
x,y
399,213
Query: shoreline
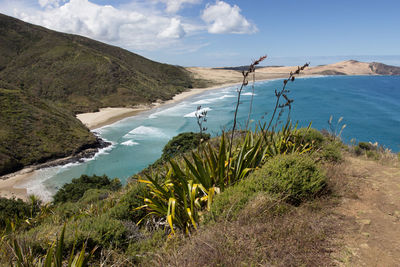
x,y
106,116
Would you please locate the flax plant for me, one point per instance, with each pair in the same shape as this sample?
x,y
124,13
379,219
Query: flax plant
x,y
187,188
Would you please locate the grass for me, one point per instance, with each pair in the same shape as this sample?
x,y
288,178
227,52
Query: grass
x,y
47,77
34,131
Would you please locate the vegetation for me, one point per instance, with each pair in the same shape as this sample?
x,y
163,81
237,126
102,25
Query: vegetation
x,y
243,198
82,74
76,189
47,77
15,210
34,131
182,143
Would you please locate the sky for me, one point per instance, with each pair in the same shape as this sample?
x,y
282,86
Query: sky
x,y
228,33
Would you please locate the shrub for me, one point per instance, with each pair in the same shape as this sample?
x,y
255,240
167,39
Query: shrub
x,y
94,195
67,210
230,202
182,143
311,136
366,146
125,208
99,231
76,189
293,177
331,152
296,178
12,209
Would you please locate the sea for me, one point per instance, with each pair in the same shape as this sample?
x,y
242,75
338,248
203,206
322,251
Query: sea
x,y
369,106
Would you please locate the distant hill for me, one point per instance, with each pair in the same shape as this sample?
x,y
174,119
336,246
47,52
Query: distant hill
x,y
348,67
82,74
47,77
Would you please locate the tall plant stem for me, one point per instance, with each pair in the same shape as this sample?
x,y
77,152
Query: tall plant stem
x,y
251,101
252,69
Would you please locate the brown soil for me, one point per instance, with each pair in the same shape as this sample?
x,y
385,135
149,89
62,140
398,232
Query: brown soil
x,y
370,214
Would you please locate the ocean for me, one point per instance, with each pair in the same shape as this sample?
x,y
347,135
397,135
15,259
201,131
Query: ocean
x,y
369,105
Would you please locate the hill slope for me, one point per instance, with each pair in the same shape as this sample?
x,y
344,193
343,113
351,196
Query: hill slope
x,y
79,73
33,131
47,77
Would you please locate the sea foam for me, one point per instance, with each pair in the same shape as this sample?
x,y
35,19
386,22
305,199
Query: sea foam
x,y
193,114
129,143
144,132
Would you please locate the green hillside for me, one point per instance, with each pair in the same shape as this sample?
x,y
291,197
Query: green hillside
x,y
79,73
33,131
47,77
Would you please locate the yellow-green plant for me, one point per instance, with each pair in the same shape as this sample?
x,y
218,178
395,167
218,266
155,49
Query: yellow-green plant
x,y
22,255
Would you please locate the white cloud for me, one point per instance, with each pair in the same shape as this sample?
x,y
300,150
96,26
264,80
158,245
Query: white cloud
x,y
174,6
131,29
174,30
50,3
224,18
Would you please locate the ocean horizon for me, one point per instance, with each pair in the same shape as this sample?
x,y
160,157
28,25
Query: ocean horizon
x,y
368,105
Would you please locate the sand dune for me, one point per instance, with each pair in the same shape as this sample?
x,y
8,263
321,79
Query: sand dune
x,y
348,67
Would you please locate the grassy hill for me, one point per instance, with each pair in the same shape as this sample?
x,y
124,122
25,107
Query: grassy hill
x,y
34,131
47,77
79,73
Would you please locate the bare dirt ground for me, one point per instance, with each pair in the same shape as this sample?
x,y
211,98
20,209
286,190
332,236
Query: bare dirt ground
x,y
370,214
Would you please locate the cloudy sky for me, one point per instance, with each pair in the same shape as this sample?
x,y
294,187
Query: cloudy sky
x,y
228,32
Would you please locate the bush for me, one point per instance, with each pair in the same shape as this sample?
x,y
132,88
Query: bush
x,y
94,195
67,210
366,146
99,231
76,189
294,177
331,152
182,143
125,208
311,136
12,209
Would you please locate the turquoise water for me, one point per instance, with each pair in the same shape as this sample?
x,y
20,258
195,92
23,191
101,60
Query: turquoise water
x,y
369,105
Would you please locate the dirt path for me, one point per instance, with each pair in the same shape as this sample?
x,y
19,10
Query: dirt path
x,y
370,214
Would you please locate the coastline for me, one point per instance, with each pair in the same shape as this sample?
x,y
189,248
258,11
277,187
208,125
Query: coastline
x,y
9,183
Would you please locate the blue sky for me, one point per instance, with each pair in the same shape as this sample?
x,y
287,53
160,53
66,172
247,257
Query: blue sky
x,y
227,33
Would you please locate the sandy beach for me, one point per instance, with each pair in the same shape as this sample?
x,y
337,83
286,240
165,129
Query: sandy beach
x,y
220,77
10,183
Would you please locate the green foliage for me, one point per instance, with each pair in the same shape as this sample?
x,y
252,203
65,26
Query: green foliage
x,y
98,231
188,187
366,146
13,209
311,136
148,244
229,203
124,209
82,74
55,255
292,177
182,143
332,152
46,77
94,195
76,189
296,178
33,131
368,149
